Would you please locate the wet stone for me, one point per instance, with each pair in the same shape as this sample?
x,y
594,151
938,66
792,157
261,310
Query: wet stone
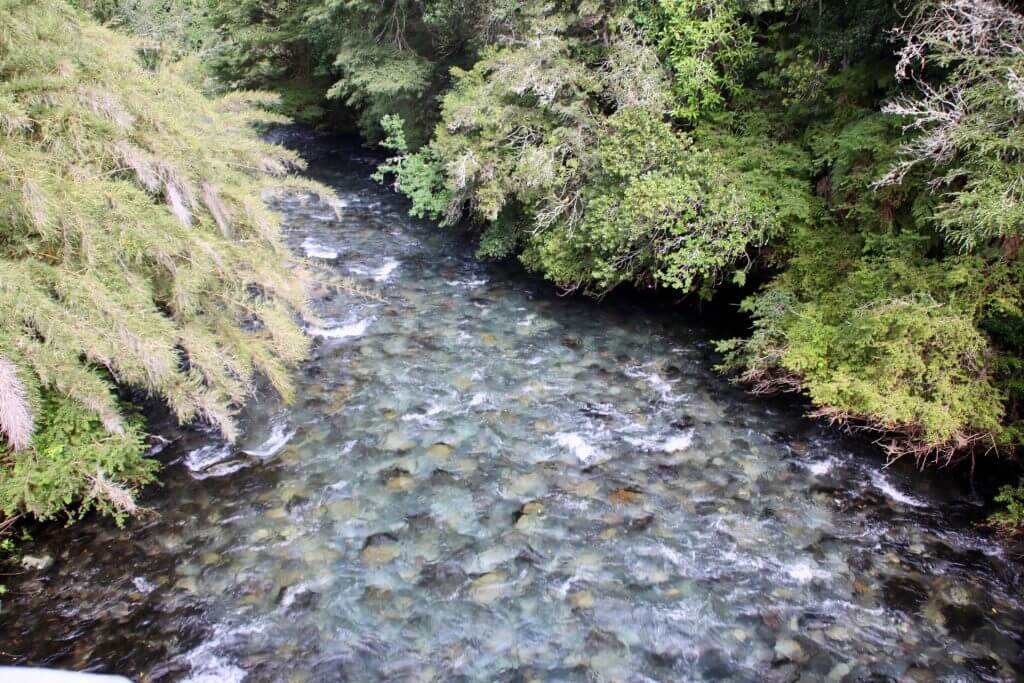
x,y
582,600
489,587
400,481
36,563
904,594
381,549
533,508
918,675
622,497
462,383
396,441
440,450
963,620
789,650
714,665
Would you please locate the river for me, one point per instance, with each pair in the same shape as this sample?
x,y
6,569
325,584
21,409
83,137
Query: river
x,y
481,480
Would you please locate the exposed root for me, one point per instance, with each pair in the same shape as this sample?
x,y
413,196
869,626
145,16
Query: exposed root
x,y
7,524
900,441
764,382
897,441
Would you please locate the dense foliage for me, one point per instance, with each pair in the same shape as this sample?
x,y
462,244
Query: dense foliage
x,y
870,180
855,167
135,251
373,58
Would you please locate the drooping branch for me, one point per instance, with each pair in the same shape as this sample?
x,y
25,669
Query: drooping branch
x,y
16,421
972,37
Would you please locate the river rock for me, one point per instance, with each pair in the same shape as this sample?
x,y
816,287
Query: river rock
x,y
492,558
489,587
342,509
587,488
790,650
544,427
838,633
528,523
36,563
905,594
276,513
534,507
625,496
400,482
531,484
582,600
462,383
440,450
958,595
918,675
380,549
839,672
396,441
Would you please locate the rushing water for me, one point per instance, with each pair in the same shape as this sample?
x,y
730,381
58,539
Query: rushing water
x,y
480,480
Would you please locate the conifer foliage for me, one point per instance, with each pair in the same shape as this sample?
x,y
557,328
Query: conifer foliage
x,y
135,250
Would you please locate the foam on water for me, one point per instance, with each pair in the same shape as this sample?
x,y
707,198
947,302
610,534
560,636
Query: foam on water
x,y
820,468
212,460
805,571
471,283
578,446
208,665
143,585
678,442
349,330
882,483
315,249
668,444
279,437
386,270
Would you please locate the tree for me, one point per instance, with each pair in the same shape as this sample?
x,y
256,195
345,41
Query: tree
x,y
135,250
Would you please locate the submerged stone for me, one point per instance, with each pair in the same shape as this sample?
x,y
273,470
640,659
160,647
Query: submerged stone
x,y
462,383
400,482
380,549
36,563
625,496
905,594
789,649
582,600
489,587
440,450
396,441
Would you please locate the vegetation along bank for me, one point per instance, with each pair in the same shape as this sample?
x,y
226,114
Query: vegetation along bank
x,y
853,167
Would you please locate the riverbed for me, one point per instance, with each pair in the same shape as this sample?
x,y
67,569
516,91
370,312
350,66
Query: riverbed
x,y
482,480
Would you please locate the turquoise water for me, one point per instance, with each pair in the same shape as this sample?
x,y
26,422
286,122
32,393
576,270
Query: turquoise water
x,y
481,480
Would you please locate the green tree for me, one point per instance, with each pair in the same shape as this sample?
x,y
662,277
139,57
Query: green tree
x,y
135,250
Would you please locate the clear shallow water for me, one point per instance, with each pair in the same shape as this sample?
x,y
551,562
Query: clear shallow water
x,y
482,481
